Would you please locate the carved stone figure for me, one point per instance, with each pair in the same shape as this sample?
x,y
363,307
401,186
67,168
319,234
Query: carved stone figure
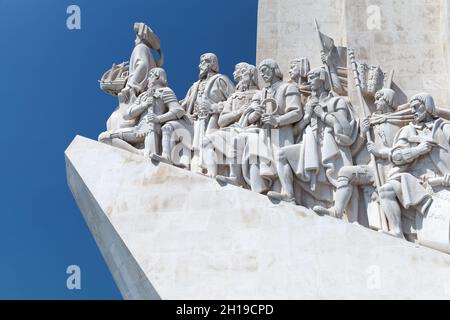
x,y
236,117
128,79
421,160
298,71
330,130
141,62
384,124
160,117
280,105
202,102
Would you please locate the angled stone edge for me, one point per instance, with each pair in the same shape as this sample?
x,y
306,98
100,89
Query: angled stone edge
x,y
128,276
168,233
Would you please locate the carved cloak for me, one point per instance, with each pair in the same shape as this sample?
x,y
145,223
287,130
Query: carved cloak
x,y
141,62
324,150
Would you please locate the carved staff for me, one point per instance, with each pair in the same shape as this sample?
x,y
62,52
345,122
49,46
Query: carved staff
x,y
366,113
322,51
203,116
270,107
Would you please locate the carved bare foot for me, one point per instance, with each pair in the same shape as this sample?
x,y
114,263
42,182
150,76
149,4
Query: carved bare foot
x,y
160,158
280,196
327,211
229,180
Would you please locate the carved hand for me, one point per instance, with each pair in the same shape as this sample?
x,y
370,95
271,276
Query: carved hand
x,y
192,117
425,147
205,107
372,148
270,120
217,108
318,110
323,57
152,118
242,109
257,109
365,126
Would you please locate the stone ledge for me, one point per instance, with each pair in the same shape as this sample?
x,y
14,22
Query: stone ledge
x,y
168,233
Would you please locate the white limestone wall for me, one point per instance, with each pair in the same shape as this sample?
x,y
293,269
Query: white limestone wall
x,y
411,37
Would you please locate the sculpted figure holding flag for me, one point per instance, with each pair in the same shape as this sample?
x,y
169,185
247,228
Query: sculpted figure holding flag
x,y
330,130
333,59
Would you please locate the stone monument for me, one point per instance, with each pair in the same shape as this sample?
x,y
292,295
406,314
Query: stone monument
x,y
323,186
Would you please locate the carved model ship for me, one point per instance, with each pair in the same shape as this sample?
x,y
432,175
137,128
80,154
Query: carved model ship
x,y
115,79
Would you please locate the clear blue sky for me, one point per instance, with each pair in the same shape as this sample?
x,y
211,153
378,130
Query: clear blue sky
x,y
49,93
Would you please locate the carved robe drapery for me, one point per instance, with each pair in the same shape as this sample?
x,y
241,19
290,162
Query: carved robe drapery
x,y
407,177
324,150
141,62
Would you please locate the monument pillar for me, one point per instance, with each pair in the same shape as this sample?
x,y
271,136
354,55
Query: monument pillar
x,y
410,37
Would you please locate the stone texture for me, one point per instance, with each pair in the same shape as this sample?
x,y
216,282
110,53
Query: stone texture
x,y
173,234
412,38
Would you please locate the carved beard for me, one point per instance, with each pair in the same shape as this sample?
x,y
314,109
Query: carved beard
x,y
203,74
244,83
420,118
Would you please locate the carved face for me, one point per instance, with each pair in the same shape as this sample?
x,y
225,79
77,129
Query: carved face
x,y
153,78
315,82
380,103
237,74
419,110
246,76
137,40
294,71
267,74
204,67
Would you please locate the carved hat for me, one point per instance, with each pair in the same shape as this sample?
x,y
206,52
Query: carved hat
x,y
145,33
427,100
